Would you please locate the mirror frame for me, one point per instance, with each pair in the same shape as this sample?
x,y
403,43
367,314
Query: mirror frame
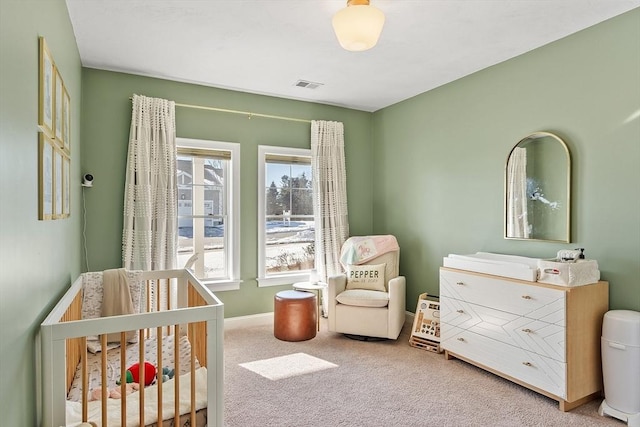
x,y
533,136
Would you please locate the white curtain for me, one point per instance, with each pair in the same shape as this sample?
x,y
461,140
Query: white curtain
x,y
330,195
149,240
517,222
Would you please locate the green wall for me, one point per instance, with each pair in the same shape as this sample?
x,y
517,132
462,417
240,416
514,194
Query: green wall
x,y
105,129
39,259
440,156
429,169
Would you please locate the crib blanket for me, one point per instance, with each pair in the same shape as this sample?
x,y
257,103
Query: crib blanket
x,y
361,249
74,409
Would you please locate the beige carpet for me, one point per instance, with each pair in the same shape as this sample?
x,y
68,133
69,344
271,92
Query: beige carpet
x,y
385,383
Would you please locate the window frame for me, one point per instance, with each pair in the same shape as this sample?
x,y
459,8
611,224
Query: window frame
x,y
232,200
264,279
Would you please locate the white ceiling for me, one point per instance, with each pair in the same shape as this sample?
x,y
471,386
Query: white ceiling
x,y
265,46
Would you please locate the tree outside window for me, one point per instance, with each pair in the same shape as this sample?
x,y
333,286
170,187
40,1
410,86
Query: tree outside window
x,y
286,221
290,227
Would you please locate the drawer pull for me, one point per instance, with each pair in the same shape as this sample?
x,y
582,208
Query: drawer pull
x,y
527,363
526,297
460,311
460,283
461,339
527,330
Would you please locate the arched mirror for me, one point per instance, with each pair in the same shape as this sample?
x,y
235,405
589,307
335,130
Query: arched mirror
x,y
537,189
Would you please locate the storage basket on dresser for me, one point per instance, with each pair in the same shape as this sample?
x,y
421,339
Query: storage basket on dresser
x,y
543,337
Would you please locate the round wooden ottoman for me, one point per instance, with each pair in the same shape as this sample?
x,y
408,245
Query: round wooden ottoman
x,y
294,315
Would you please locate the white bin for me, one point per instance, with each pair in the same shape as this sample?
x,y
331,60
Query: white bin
x,y
621,366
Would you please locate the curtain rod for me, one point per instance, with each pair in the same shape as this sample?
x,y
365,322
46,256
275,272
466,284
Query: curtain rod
x,y
245,113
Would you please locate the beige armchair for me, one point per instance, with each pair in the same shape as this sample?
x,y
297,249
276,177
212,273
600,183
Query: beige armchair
x,y
369,310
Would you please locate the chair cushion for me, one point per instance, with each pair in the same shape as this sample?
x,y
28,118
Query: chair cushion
x,y
363,298
365,276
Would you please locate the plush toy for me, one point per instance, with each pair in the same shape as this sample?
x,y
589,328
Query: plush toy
x,y
167,374
133,374
114,393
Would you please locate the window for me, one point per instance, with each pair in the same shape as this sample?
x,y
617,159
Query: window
x,y
286,243
209,209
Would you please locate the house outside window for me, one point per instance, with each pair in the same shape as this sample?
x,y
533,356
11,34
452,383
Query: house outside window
x,y
286,243
208,211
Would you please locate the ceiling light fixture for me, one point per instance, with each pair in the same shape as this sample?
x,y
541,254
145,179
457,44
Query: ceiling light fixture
x,y
358,26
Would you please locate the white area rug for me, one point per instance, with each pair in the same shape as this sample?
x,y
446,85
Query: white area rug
x,y
291,365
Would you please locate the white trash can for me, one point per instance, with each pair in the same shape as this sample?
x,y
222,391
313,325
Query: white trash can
x,y
621,366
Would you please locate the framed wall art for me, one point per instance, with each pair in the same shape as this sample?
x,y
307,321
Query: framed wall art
x,y
45,176
66,196
45,89
54,139
57,183
66,121
57,99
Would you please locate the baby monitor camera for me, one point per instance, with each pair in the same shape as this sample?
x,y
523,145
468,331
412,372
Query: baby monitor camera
x,y
87,180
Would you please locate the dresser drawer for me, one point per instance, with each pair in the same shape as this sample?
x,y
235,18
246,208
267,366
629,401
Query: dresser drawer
x,y
530,368
535,302
532,335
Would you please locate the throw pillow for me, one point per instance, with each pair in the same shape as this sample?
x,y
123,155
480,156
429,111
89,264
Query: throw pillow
x,y
370,277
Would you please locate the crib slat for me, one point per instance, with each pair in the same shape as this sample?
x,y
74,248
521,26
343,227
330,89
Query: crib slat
x,y
85,379
103,369
168,291
141,375
123,379
159,375
176,362
158,294
192,332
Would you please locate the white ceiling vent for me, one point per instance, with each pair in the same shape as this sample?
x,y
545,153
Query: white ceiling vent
x,y
307,84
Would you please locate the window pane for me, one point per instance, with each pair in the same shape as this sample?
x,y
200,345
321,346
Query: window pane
x,y
185,170
302,201
201,215
185,181
290,231
185,203
214,254
185,240
213,173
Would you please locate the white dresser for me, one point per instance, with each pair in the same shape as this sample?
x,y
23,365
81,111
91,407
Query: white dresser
x,y
543,337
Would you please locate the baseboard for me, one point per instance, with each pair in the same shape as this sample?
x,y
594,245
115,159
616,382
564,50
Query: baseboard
x,y
261,319
408,317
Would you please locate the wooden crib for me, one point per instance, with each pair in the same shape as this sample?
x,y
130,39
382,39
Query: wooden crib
x,y
175,305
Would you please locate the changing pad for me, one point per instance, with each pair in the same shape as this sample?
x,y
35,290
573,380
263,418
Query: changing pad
x,y
513,266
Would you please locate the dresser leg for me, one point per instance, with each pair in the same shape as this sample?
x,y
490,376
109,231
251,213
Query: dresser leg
x,y
447,356
567,406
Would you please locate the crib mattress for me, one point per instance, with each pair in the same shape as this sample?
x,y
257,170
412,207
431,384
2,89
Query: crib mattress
x,y
185,420
74,409
94,362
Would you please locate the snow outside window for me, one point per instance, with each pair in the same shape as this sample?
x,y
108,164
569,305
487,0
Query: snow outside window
x,y
286,243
